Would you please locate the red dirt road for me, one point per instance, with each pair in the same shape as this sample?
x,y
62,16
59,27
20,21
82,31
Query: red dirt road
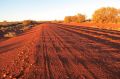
x,y
56,51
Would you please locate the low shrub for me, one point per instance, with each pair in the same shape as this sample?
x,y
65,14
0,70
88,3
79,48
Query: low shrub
x,y
10,34
76,18
26,22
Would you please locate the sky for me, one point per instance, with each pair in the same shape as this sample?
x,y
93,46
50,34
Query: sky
x,y
18,10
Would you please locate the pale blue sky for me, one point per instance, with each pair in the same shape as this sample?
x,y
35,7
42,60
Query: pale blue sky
x,y
12,10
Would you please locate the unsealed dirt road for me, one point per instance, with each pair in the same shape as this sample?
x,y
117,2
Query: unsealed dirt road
x,y
56,51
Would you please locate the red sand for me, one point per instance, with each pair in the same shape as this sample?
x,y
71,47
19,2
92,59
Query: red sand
x,y
56,51
97,25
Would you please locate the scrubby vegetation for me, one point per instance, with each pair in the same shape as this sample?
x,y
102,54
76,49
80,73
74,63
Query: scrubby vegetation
x,y
106,15
102,15
12,29
105,18
28,22
76,18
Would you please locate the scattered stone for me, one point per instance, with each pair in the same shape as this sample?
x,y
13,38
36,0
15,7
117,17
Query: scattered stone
x,y
22,52
31,64
4,75
23,60
26,56
10,77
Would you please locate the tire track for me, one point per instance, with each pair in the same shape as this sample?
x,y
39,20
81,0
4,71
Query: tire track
x,y
64,60
111,43
114,32
105,66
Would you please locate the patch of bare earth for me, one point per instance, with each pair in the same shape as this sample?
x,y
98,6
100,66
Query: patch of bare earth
x,y
59,51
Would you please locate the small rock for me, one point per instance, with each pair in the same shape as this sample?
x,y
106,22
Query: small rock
x,y
23,60
31,64
10,76
26,56
22,52
4,75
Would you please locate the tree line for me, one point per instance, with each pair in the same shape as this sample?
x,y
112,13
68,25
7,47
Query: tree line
x,y
102,15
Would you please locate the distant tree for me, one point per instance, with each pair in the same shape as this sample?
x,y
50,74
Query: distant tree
x,y
106,15
80,18
118,18
76,18
26,22
5,21
67,19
